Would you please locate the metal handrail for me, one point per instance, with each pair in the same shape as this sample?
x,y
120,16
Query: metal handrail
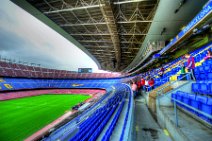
x,y
195,109
159,92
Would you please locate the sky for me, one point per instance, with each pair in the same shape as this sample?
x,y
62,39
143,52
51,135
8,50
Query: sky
x,y
25,38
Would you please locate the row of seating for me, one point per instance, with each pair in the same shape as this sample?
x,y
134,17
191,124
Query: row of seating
x,y
111,126
200,56
8,84
202,71
202,87
201,103
91,128
129,106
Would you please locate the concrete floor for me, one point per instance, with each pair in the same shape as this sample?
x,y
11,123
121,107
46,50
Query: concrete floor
x,y
145,127
191,129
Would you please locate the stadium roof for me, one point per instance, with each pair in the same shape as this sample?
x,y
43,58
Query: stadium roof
x,y
114,31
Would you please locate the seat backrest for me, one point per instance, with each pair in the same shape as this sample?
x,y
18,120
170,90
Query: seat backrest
x,y
195,87
202,99
185,95
206,68
203,86
201,69
209,101
192,96
210,88
209,76
173,95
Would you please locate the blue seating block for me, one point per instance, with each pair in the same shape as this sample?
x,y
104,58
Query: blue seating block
x,y
206,107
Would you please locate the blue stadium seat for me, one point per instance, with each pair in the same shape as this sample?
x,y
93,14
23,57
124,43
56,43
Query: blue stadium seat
x,y
203,89
201,69
209,76
196,70
173,96
206,107
193,102
210,88
195,87
207,68
197,76
208,62
202,76
180,97
202,101
186,100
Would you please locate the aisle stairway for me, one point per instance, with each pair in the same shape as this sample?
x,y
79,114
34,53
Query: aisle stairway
x,y
145,127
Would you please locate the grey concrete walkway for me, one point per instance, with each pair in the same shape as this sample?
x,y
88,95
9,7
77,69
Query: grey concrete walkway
x,y
145,127
190,128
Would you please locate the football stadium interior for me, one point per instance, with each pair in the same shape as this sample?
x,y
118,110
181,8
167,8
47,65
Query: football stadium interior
x,y
159,88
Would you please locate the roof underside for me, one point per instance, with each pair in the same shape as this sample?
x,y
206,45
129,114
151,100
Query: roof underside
x,y
112,31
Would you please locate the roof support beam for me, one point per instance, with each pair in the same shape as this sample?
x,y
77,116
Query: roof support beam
x,y
107,41
129,1
81,24
136,21
89,34
74,9
95,41
103,47
107,34
104,23
112,28
134,34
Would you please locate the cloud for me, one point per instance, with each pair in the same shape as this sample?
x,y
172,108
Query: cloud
x,y
23,36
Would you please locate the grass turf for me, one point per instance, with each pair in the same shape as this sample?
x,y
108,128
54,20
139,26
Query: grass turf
x,y
20,118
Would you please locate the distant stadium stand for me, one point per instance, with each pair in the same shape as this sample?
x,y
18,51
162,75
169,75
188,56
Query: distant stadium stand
x,y
10,69
8,84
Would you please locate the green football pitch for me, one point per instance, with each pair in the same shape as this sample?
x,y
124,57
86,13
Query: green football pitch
x,y
20,118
